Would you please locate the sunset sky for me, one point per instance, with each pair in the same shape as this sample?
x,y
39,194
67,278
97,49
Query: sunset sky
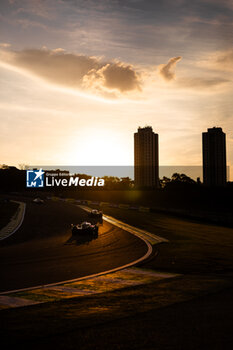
x,y
78,77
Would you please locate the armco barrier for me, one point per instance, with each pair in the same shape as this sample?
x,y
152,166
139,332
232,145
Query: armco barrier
x,y
55,199
144,209
124,206
102,204
71,200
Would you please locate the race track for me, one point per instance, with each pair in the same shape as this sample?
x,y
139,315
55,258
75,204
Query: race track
x,y
42,251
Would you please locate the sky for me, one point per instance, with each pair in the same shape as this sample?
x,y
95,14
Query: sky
x,y
78,77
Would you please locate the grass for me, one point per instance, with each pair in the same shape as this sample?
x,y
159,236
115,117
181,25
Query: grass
x,y
7,210
90,322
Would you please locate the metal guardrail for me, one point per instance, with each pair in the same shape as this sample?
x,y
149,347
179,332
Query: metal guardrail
x,y
102,204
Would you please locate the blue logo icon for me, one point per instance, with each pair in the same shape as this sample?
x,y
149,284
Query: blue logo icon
x,y
35,178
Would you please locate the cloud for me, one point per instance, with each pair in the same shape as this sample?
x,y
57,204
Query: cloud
x,y
5,45
218,60
224,60
114,76
38,8
76,71
202,83
205,82
167,71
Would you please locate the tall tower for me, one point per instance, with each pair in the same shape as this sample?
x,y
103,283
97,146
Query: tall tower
x,y
214,157
146,157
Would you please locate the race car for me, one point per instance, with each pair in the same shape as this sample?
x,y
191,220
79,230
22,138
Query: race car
x,y
85,228
94,213
38,201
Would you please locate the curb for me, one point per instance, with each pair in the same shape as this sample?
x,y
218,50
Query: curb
x,y
15,222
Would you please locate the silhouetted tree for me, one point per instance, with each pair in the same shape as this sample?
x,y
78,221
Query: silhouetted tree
x,y
182,178
4,166
164,181
126,183
23,166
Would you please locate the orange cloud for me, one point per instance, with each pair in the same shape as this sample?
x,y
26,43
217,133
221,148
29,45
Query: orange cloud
x,y
113,76
167,71
5,45
76,71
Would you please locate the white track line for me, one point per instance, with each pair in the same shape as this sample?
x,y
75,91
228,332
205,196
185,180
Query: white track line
x,y
145,235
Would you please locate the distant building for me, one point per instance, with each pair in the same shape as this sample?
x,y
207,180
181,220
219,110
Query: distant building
x,y
146,158
214,157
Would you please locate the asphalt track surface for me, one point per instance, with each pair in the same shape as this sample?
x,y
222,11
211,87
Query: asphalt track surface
x,y
43,251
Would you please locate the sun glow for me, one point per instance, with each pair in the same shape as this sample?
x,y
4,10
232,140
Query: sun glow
x,y
97,147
